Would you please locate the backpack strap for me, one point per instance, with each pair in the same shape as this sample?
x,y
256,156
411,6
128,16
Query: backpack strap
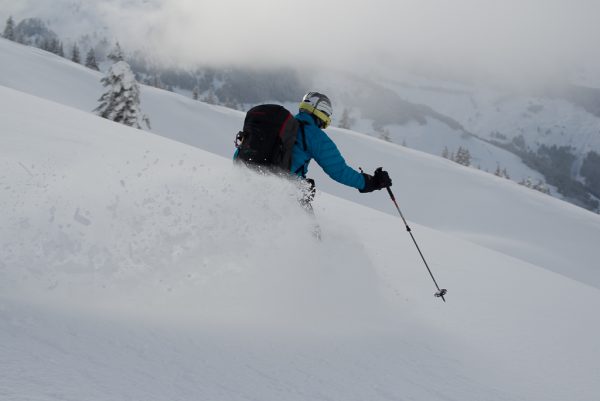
x,y
304,146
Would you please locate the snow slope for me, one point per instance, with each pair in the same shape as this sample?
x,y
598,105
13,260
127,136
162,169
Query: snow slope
x,y
135,267
509,220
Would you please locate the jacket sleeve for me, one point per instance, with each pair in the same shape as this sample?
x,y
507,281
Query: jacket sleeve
x,y
327,155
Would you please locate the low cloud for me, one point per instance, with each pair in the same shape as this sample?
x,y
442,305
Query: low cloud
x,y
525,38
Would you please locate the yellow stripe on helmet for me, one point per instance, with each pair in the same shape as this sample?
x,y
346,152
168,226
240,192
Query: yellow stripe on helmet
x,y
322,116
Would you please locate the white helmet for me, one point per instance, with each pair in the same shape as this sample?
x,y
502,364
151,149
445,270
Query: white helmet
x,y
319,106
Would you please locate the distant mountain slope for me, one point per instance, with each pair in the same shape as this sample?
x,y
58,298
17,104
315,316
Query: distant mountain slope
x,y
553,130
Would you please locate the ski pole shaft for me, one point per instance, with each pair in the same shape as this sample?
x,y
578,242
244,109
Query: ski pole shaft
x,y
441,292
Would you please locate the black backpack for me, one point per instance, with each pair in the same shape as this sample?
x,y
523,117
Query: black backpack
x,y
268,136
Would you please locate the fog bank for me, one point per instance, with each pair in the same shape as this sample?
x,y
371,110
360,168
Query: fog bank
x,y
518,39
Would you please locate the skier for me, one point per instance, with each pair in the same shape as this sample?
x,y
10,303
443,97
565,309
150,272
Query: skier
x,y
313,143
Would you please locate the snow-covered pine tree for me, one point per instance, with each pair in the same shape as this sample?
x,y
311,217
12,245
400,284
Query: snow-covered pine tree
x,y
498,172
385,135
60,50
542,187
116,54
156,81
463,156
526,182
539,186
211,97
51,45
75,55
346,121
9,29
195,93
121,102
90,60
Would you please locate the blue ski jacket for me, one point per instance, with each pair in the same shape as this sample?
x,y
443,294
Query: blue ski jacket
x,y
315,144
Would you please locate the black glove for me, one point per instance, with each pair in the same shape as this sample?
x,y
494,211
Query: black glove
x,y
379,180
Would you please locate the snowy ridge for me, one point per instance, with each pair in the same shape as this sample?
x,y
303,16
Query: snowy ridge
x,y
137,267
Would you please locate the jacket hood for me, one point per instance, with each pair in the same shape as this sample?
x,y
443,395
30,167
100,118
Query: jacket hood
x,y
306,118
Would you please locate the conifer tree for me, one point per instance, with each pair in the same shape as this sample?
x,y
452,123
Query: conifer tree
x,y
121,102
345,121
463,156
90,60
116,54
385,135
498,172
75,55
50,45
59,49
210,97
157,82
195,93
459,155
542,187
526,182
45,45
9,29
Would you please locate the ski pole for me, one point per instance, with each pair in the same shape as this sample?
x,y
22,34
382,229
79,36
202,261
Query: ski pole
x,y
440,292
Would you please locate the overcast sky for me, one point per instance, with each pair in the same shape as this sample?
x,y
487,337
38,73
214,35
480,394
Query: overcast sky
x,y
509,37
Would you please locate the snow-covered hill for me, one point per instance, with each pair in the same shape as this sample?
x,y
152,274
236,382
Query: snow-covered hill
x,y
425,185
133,266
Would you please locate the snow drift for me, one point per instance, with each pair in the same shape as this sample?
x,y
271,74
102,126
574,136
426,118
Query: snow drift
x,y
161,217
